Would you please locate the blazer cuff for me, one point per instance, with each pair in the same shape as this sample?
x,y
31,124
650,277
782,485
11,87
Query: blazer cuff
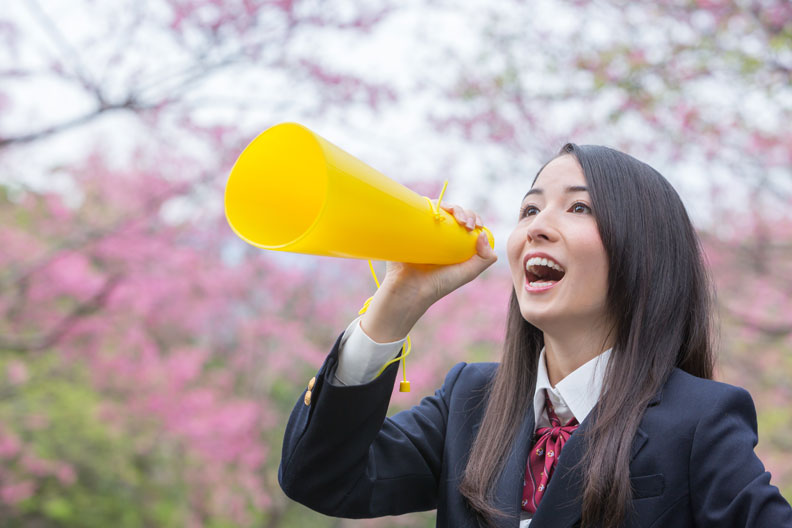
x,y
360,358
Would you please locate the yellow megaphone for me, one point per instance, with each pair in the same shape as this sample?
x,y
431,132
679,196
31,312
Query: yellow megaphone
x,y
292,190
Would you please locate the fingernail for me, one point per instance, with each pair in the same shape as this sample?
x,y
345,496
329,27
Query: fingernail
x,y
470,223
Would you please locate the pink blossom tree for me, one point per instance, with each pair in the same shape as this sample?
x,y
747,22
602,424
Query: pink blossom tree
x,y
150,361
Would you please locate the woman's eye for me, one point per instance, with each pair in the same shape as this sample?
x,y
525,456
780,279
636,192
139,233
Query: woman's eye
x,y
528,210
580,207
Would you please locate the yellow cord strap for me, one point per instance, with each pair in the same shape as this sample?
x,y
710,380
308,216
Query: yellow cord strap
x,y
404,386
436,207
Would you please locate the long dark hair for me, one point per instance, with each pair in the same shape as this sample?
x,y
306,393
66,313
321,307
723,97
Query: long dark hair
x,y
660,298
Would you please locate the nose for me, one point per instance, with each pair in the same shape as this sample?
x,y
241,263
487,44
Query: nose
x,y
541,228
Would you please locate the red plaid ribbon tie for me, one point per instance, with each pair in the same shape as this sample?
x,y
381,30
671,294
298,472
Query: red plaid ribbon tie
x,y
544,457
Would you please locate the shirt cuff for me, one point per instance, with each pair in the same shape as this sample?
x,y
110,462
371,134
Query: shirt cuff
x,y
360,358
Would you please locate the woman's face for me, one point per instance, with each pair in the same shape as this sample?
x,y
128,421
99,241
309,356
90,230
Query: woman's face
x,y
557,260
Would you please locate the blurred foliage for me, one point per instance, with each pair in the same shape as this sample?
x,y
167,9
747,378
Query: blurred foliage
x,y
68,466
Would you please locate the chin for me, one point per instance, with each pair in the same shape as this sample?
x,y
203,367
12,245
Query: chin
x,y
540,320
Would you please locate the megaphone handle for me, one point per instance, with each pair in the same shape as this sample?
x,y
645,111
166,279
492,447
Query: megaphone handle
x,y
404,386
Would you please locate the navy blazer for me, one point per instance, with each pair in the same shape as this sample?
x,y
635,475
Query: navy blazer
x,y
692,461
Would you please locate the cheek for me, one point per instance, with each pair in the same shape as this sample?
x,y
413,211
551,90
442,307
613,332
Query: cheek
x,y
599,280
598,276
514,249
511,243
594,260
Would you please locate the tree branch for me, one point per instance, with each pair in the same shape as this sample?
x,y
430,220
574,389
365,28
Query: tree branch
x,y
130,104
48,339
58,38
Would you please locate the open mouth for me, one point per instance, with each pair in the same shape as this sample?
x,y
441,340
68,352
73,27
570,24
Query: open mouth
x,y
542,272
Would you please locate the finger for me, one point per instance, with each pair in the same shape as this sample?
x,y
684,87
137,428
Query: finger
x,y
470,219
463,216
483,259
457,212
449,208
479,223
484,250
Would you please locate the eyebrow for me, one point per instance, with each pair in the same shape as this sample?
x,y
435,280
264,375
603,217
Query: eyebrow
x,y
570,189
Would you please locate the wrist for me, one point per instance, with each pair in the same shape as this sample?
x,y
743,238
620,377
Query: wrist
x,y
392,314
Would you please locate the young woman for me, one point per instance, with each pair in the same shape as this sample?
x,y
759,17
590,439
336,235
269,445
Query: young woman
x,y
607,361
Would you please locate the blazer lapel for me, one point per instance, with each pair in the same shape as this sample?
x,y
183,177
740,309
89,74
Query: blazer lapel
x,y
508,492
561,503
560,506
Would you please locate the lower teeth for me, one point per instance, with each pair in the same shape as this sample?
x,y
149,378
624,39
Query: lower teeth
x,y
539,284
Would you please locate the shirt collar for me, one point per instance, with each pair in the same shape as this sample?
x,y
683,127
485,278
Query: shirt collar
x,y
580,390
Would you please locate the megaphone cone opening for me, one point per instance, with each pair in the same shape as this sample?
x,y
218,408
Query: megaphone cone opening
x,y
277,187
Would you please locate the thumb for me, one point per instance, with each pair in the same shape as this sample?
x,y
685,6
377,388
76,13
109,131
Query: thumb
x,y
483,248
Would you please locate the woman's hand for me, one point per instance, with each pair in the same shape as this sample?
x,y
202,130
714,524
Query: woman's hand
x,y
428,283
408,290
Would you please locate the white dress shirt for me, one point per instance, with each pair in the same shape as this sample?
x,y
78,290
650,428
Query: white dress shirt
x,y
360,359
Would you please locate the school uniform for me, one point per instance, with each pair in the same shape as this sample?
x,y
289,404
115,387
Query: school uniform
x,y
692,460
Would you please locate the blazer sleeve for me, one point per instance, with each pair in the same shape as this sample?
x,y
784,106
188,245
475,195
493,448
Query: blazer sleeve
x,y
729,486
343,457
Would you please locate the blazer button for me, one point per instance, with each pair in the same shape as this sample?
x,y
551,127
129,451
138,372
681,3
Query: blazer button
x,y
307,399
311,383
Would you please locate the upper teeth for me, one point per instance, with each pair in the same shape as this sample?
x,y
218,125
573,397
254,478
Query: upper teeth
x,y
538,261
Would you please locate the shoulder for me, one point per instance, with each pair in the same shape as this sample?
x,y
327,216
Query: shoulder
x,y
465,392
692,399
469,376
467,384
682,386
728,484
697,419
